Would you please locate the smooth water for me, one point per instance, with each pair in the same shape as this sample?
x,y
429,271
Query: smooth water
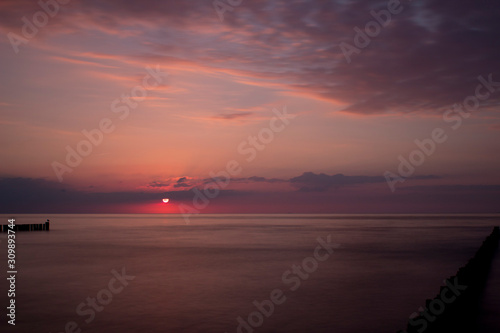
x,y
202,276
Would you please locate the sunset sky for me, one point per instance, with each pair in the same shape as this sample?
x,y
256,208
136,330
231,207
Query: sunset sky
x,y
207,79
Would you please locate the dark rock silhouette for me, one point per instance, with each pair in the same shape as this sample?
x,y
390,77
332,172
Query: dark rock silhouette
x,y
456,307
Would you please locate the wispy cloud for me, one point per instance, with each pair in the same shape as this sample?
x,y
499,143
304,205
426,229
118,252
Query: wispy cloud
x,y
413,66
311,182
32,195
182,183
231,116
158,184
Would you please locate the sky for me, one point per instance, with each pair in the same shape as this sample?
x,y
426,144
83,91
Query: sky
x,y
239,106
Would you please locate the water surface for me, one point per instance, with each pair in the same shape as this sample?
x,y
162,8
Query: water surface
x,y
202,276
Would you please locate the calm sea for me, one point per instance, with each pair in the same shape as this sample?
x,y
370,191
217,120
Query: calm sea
x,y
203,276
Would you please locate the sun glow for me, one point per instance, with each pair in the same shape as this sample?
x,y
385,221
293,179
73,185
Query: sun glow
x,y
166,200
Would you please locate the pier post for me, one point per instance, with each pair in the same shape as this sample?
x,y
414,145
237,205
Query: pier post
x,y
27,227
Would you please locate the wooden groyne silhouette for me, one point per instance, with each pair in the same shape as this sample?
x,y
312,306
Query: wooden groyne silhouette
x,y
28,227
457,306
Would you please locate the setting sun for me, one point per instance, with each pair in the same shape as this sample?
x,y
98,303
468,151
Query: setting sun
x,y
166,200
